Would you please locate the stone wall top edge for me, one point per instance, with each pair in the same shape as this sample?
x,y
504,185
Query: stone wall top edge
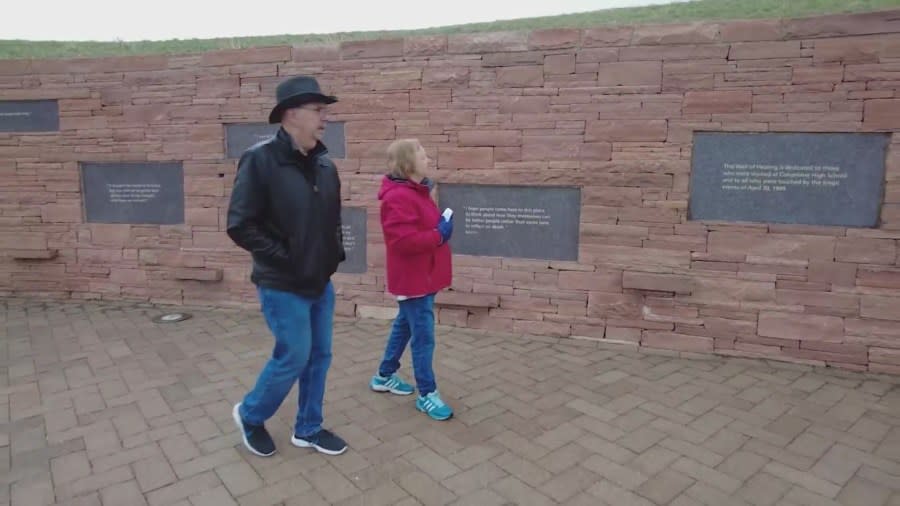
x,y
699,32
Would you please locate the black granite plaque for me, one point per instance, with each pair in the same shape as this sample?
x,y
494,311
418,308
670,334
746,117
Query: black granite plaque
x,y
240,136
537,222
138,193
353,225
29,116
799,178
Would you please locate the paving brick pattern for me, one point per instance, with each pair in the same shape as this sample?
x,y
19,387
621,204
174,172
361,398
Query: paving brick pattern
x,y
101,406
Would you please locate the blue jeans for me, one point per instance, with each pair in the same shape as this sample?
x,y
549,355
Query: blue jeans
x,y
302,328
415,320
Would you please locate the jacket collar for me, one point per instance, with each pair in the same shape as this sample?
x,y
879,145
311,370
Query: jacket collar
x,y
288,152
425,186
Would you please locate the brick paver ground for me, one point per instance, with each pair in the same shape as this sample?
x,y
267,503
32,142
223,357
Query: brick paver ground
x,y
101,406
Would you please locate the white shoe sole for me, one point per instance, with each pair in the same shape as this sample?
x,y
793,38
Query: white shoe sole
x,y
300,443
379,388
434,417
236,414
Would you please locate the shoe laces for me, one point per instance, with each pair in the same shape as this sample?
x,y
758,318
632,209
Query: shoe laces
x,y
436,399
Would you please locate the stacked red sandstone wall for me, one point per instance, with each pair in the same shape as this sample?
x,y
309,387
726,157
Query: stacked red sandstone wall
x,y
609,109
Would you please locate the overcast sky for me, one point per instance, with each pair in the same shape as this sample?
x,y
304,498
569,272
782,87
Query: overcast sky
x,y
186,19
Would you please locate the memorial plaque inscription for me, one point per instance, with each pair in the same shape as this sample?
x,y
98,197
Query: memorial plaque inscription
x,y
832,179
136,193
29,116
353,227
240,136
536,222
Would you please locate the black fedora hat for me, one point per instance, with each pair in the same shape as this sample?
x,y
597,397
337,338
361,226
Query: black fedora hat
x,y
295,92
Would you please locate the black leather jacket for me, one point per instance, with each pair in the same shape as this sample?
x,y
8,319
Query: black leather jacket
x,y
285,210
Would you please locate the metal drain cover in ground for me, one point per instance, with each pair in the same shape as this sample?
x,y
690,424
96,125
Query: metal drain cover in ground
x,y
171,317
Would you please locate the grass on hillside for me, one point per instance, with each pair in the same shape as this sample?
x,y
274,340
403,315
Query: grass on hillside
x,y
686,11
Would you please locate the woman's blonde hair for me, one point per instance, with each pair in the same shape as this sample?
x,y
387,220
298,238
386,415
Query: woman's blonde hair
x,y
401,155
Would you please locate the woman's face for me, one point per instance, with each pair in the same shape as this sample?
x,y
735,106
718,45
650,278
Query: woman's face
x,y
422,169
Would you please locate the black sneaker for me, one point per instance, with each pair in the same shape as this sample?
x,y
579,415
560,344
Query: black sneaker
x,y
323,441
256,437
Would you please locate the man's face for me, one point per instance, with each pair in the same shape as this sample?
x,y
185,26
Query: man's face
x,y
307,121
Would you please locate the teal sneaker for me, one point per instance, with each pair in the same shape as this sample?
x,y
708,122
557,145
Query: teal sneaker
x,y
392,384
433,406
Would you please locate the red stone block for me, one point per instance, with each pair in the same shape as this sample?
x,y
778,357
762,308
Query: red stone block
x,y
800,326
857,49
596,55
68,212
526,104
520,77
378,48
657,282
218,87
445,77
241,56
358,103
630,74
846,304
882,308
765,50
886,277
370,130
707,102
320,52
627,131
512,59
818,74
488,42
614,305
882,114
689,33
889,356
527,303
465,158
490,138
609,281
755,30
825,271
202,216
11,239
672,53
559,64
719,290
451,118
827,357
425,46
837,25
198,274
554,38
783,246
623,334
607,36
866,251
17,67
127,276
871,72
551,147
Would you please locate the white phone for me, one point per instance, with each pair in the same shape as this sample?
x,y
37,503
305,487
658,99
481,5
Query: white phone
x,y
448,213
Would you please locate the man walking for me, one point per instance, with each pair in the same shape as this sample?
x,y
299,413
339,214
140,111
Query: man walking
x,y
285,210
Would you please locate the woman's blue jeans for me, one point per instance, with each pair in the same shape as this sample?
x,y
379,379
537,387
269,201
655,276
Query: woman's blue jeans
x,y
415,321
